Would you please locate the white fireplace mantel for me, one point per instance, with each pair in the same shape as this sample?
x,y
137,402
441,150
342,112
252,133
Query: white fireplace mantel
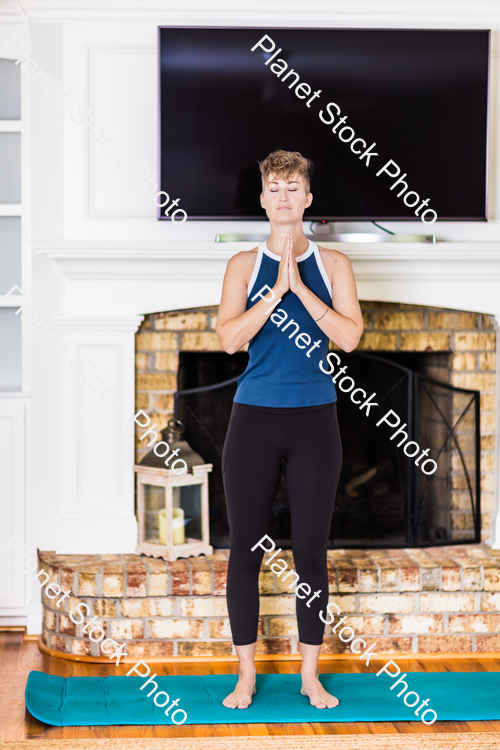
x,y
457,275
103,283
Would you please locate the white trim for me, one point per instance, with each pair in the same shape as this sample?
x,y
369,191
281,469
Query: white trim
x,y
10,209
11,300
90,143
9,621
90,534
322,269
10,126
256,269
194,249
361,13
302,257
129,323
13,492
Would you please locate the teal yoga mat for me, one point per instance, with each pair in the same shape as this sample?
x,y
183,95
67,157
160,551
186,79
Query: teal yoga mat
x,y
78,701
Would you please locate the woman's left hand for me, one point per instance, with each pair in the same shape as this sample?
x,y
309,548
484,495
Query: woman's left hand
x,y
295,281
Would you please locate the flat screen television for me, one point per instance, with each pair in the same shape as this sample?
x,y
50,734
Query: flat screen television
x,y
421,96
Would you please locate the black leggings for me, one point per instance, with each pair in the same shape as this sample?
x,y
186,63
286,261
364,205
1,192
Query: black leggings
x,y
256,441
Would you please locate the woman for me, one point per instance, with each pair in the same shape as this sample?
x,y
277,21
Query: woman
x,y
284,407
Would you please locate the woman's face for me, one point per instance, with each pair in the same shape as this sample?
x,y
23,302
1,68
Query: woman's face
x,y
285,200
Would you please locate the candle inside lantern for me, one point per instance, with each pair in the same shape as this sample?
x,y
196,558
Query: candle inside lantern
x,y
177,526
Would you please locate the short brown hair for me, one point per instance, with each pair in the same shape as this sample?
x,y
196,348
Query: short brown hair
x,y
285,164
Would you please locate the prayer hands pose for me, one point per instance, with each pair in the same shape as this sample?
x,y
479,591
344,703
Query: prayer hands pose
x,y
288,272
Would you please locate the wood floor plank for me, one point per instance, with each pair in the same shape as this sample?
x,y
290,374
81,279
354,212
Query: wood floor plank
x,y
450,726
33,727
276,729
345,667
222,668
258,730
19,664
161,731
238,730
267,667
442,665
490,665
428,666
346,728
381,727
413,727
318,728
483,726
465,665
211,730
287,667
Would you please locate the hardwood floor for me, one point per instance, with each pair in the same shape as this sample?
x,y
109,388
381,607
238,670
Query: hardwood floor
x,y
18,658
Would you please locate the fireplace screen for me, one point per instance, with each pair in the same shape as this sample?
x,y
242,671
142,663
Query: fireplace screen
x,y
383,499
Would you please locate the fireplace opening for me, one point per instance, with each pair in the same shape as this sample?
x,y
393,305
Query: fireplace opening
x,y
383,499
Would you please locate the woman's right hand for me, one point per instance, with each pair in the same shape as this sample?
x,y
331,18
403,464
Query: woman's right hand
x,y
283,281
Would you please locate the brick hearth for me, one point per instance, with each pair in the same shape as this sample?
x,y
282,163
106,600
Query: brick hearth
x,y
437,600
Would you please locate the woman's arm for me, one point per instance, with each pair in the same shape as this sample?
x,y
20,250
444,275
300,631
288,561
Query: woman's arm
x,y
344,323
235,324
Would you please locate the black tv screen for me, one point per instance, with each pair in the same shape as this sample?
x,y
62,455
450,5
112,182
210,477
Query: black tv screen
x,y
420,96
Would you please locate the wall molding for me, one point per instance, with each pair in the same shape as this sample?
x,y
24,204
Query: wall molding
x,y
313,13
90,145
198,249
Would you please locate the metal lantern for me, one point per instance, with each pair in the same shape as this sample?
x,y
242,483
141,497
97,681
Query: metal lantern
x,y
173,507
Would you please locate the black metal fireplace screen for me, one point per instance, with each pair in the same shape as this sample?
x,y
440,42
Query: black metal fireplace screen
x,y
383,498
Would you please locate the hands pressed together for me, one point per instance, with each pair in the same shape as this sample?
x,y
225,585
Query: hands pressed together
x,y
288,272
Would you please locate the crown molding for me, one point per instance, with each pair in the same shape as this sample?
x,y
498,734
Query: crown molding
x,y
362,13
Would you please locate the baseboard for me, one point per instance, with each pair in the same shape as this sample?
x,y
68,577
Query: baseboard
x,y
12,628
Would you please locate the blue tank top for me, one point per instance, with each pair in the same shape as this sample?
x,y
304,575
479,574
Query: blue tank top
x,y
283,369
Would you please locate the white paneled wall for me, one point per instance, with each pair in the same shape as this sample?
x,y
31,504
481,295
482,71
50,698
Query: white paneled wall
x,y
97,460
14,398
122,163
12,507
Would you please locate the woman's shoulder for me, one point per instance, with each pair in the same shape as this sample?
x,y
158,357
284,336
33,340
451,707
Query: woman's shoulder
x,y
242,264
245,257
333,260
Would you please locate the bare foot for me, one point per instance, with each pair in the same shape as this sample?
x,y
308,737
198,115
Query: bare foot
x,y
317,694
241,697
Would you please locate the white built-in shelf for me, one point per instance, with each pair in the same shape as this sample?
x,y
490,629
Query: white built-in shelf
x,y
11,300
10,126
10,209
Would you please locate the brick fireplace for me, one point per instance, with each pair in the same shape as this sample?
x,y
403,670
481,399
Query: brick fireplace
x,y
435,600
467,340
429,600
